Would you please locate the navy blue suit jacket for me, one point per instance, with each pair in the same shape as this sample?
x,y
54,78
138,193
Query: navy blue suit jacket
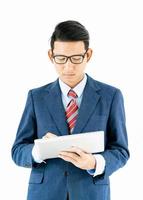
x,y
101,109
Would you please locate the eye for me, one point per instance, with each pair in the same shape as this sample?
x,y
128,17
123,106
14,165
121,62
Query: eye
x,y
76,58
60,59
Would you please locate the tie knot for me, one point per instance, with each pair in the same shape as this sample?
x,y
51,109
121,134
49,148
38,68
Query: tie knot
x,y
72,94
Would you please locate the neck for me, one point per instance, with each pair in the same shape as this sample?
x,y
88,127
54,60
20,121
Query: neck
x,y
71,84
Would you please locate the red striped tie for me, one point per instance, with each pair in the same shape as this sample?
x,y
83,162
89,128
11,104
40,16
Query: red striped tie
x,y
72,111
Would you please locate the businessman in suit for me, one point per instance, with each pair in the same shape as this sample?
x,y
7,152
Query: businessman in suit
x,y
74,103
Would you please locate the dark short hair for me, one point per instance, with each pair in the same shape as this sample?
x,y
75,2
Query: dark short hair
x,y
68,31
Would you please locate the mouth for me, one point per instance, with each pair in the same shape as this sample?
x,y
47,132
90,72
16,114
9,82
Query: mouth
x,y
68,74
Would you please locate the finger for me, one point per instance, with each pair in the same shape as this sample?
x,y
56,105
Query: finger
x,y
49,135
68,159
76,150
71,155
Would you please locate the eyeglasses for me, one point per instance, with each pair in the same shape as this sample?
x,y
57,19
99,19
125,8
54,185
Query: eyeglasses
x,y
75,59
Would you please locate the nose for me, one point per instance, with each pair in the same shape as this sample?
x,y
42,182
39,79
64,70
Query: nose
x,y
69,65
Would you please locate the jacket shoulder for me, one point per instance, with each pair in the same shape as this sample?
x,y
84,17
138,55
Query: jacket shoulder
x,y
105,86
104,89
43,89
101,85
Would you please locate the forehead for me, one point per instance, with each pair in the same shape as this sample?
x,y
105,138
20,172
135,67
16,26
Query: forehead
x,y
68,48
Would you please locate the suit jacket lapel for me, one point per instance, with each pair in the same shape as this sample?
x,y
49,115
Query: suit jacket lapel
x,y
88,104
56,108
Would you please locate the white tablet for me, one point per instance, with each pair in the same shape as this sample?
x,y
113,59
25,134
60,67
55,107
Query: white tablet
x,y
90,142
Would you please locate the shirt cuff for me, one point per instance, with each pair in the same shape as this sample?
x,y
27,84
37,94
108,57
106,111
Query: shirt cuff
x,y
35,155
100,165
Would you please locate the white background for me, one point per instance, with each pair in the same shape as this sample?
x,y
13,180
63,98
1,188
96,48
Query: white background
x,y
116,29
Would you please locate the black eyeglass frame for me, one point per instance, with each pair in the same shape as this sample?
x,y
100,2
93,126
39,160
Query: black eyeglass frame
x,y
69,57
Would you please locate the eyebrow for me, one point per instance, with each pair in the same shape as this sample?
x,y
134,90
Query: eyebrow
x,y
80,54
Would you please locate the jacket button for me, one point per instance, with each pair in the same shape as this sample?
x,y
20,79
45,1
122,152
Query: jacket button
x,y
66,173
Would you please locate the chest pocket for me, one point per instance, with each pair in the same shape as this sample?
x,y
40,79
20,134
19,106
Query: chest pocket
x,y
96,123
49,127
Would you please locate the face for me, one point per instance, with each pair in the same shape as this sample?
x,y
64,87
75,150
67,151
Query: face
x,y
70,73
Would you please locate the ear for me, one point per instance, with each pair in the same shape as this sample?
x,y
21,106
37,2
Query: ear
x,y
89,54
50,55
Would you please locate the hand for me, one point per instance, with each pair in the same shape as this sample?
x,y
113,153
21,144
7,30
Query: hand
x,y
79,158
35,152
49,135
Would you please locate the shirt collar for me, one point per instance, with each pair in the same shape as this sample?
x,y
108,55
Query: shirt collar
x,y
78,89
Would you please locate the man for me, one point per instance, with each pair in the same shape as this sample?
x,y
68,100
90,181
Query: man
x,y
74,103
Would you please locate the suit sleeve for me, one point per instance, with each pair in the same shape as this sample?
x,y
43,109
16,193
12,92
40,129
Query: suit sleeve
x,y
24,142
116,151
